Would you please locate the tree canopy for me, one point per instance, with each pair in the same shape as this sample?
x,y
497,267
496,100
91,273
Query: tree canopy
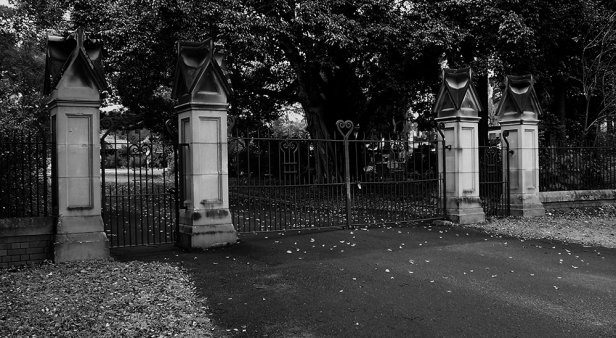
x,y
372,61
21,61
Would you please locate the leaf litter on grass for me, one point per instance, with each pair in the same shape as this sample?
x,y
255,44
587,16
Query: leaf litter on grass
x,y
587,226
101,299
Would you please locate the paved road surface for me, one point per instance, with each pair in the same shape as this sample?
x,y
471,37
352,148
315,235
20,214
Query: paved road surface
x,y
401,282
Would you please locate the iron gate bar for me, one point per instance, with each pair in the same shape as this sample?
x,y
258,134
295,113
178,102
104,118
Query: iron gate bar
x,y
140,202
494,178
508,154
45,192
439,128
347,171
178,190
270,217
308,190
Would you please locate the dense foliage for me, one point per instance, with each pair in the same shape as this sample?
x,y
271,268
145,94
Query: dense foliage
x,y
21,64
374,61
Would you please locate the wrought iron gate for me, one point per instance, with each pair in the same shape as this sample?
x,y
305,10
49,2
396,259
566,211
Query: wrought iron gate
x,y
494,187
288,184
139,187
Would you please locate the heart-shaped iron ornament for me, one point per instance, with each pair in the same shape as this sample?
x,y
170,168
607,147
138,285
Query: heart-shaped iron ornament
x,y
289,145
345,128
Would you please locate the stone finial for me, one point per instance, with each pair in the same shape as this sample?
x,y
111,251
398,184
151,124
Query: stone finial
x,y
457,96
519,101
200,76
74,61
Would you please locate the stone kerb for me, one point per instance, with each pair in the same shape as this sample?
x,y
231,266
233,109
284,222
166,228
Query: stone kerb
x,y
518,114
457,108
202,89
73,79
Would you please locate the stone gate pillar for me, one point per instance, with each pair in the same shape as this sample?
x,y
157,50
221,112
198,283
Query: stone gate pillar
x,y
73,78
202,88
518,115
457,108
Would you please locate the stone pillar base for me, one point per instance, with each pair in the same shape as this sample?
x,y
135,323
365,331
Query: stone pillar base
x,y
206,236
465,210
206,229
526,206
80,246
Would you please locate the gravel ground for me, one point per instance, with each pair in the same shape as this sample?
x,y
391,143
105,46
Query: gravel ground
x,y
586,226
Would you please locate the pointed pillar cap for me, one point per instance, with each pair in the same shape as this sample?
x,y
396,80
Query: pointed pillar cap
x,y
519,101
199,75
457,96
73,62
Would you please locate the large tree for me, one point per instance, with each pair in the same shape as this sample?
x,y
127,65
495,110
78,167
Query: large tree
x,y
371,61
598,73
367,60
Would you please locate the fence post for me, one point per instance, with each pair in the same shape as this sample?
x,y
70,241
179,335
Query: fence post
x,y
73,79
202,88
518,116
346,128
506,171
442,165
457,108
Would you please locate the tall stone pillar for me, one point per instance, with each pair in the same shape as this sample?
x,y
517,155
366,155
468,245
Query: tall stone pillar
x,y
518,115
73,78
457,108
202,88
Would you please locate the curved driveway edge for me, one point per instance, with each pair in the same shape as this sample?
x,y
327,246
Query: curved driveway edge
x,y
396,282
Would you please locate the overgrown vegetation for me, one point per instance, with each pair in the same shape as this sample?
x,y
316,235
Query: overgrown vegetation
x,y
102,299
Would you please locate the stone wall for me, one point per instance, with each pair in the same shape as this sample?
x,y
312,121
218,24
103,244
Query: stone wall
x,y
577,198
25,240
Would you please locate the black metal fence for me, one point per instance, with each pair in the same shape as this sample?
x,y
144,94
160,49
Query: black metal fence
x,y
25,174
577,168
285,184
494,188
139,175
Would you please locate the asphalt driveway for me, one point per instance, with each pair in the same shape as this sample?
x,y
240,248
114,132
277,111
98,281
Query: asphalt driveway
x,y
400,282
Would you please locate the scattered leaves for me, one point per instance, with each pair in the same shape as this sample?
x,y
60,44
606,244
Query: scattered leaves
x,y
103,299
592,226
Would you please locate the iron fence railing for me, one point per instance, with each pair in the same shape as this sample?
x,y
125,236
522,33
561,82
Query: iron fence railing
x,y
494,188
139,174
285,184
577,168
25,174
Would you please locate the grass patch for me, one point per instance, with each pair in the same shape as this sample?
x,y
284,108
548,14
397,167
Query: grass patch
x,y
102,299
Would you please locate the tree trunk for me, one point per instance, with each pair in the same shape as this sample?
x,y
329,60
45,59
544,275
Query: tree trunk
x,y
313,100
328,93
323,149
